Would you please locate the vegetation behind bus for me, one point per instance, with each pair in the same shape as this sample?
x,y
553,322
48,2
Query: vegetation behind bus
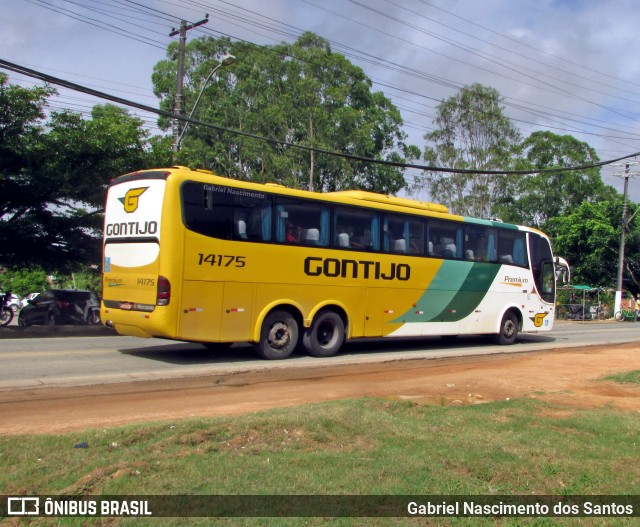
x,y
66,160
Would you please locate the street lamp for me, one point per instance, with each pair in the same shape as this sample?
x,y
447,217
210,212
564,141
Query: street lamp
x,y
227,60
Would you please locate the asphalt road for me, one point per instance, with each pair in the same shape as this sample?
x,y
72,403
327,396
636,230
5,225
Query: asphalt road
x,y
88,360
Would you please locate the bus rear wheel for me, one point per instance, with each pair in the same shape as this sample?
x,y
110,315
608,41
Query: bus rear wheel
x,y
325,336
278,336
508,329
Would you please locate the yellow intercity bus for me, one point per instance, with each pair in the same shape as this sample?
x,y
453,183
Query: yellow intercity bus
x,y
189,255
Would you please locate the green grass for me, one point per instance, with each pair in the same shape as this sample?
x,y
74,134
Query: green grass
x,y
363,446
629,377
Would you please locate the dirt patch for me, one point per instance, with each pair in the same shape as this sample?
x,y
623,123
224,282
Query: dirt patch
x,y
568,376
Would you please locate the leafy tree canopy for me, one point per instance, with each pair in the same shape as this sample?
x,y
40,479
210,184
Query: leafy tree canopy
x,y
299,93
528,199
53,176
588,236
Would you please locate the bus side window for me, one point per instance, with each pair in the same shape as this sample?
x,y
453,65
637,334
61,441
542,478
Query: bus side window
x,y
302,222
476,243
447,239
512,248
355,229
416,237
207,211
282,217
403,234
395,231
252,218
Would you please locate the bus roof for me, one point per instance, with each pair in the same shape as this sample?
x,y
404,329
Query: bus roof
x,y
390,200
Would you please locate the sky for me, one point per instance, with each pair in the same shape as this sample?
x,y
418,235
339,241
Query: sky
x,y
567,66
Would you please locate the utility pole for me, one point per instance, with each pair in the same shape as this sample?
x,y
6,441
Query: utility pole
x,y
177,103
618,299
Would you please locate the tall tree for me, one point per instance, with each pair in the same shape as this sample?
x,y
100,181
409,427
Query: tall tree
x,y
472,134
300,93
534,199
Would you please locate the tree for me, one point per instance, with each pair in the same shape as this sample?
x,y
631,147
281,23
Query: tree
x,y
589,238
53,177
23,281
473,134
534,199
300,93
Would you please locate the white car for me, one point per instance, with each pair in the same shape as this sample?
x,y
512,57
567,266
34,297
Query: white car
x,y
26,299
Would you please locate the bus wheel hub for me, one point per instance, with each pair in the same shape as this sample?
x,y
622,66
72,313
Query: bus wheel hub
x,y
279,335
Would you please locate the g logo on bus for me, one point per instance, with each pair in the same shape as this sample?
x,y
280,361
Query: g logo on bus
x,y
538,319
131,199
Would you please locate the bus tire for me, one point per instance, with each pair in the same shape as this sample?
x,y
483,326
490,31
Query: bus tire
x,y
325,336
508,329
278,336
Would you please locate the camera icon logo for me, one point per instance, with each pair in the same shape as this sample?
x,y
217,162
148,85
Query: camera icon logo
x,y
23,506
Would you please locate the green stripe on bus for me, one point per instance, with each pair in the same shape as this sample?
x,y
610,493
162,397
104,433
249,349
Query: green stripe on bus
x,y
455,291
471,293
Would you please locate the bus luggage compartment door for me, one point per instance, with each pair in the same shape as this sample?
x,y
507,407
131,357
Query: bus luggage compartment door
x,y
381,310
200,306
236,312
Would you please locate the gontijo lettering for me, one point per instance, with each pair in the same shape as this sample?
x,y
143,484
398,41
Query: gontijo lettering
x,y
337,267
131,228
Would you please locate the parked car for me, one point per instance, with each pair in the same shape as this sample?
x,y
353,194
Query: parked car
x,y
30,296
14,302
61,306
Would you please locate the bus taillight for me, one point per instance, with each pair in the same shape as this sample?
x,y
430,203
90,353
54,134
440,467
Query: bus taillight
x,y
164,291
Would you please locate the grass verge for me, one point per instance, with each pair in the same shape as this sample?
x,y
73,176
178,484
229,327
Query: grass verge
x,y
629,377
363,446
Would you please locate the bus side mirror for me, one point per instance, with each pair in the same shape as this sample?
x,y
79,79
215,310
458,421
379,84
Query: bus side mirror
x,y
562,269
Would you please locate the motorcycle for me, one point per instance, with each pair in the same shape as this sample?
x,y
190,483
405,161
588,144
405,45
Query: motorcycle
x,y
6,313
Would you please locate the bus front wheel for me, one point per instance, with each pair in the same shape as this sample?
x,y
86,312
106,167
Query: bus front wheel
x,y
325,336
278,336
508,329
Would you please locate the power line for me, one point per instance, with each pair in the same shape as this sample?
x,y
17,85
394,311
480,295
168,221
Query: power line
x,y
567,61
512,51
289,30
97,23
67,84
